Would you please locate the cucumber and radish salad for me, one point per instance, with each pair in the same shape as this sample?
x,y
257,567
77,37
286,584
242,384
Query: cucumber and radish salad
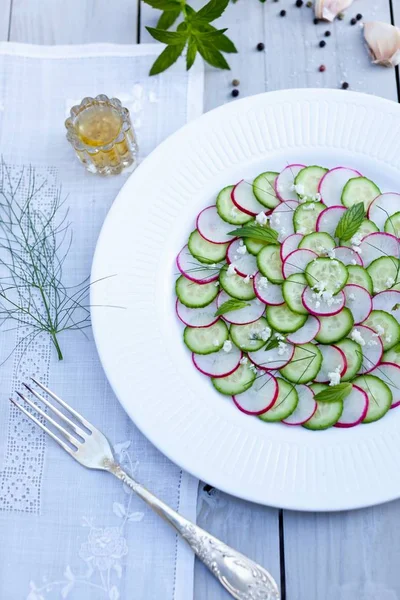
x,y
289,293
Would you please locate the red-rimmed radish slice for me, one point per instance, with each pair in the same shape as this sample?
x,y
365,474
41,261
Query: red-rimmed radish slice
x,y
359,301
332,184
383,207
371,347
212,228
297,261
267,292
284,183
389,373
242,316
324,305
329,218
271,359
244,199
290,244
348,256
218,364
305,408
377,244
281,219
194,270
355,407
306,333
388,301
332,359
197,317
245,263
260,397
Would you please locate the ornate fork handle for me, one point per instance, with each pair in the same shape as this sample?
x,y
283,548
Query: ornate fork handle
x,y
240,576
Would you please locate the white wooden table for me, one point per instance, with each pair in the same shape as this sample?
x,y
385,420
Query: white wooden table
x,y
346,556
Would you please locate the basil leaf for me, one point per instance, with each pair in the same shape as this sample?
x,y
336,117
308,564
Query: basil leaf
x,y
350,221
334,393
212,55
168,18
212,10
230,305
191,53
257,232
172,38
167,58
164,4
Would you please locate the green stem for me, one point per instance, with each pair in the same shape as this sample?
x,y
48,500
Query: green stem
x,y
57,345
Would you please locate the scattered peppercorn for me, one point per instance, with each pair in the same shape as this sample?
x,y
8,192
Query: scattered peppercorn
x,y
353,21
340,16
316,21
309,4
327,34
235,93
299,3
322,43
276,0
283,13
345,85
322,68
260,47
235,82
359,17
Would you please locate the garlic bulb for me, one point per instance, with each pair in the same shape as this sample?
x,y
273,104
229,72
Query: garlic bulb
x,y
383,42
329,9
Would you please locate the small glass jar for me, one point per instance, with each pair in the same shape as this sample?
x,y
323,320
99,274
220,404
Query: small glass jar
x,y
101,133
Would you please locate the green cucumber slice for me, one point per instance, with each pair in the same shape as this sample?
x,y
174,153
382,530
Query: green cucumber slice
x,y
206,252
359,189
228,211
292,290
359,276
392,224
379,396
307,182
253,246
264,189
237,382
354,357
236,286
284,320
380,319
326,415
318,387
305,364
306,215
327,274
205,340
195,295
335,328
392,356
365,228
384,272
270,264
285,403
318,242
252,336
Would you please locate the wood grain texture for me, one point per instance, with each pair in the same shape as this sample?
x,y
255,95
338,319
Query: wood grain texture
x,y
74,22
5,15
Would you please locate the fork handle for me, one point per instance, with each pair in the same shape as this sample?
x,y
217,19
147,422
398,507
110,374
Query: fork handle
x,y
241,577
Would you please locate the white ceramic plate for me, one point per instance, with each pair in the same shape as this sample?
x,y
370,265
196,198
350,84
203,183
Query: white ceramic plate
x,y
141,346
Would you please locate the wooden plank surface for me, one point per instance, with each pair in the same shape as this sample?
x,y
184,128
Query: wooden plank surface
x,y
5,15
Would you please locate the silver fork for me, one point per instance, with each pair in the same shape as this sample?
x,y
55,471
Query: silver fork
x,y
241,577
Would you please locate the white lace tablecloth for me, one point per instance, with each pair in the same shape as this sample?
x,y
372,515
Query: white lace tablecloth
x,y
67,532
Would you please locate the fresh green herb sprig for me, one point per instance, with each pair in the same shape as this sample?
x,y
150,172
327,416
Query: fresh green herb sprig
x,y
195,33
231,305
257,232
335,393
350,221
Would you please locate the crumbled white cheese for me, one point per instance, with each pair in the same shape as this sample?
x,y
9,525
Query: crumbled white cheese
x,y
320,286
379,331
216,343
254,368
357,337
261,218
351,297
280,337
263,283
389,282
216,283
310,206
244,360
356,239
282,348
334,376
299,189
317,197
331,253
317,304
353,261
388,339
231,270
265,334
357,249
372,343
227,347
247,279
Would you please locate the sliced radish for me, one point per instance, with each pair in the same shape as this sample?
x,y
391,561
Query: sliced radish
x,y
333,182
355,407
212,228
267,292
305,408
284,183
197,317
389,373
372,348
245,263
377,244
307,333
281,219
218,364
242,316
388,301
329,218
290,244
348,256
271,359
383,207
260,397
324,305
194,270
332,359
359,301
297,261
244,199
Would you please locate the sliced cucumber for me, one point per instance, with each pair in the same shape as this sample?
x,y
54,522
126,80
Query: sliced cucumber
x,y
318,242
285,403
359,276
252,336
335,328
392,356
318,387
195,295
392,224
237,382
354,357
306,215
379,396
359,189
292,290
284,320
270,264
307,182
264,189
365,228
326,415
384,272
205,340
236,286
228,211
380,320
325,274
305,364
253,246
206,252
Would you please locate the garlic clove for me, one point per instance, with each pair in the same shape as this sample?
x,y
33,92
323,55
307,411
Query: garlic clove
x,y
329,9
383,41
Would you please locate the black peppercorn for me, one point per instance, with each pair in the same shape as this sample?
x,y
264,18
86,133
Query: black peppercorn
x,y
353,21
283,13
299,3
327,34
345,85
235,93
322,68
359,17
322,43
260,47
316,21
